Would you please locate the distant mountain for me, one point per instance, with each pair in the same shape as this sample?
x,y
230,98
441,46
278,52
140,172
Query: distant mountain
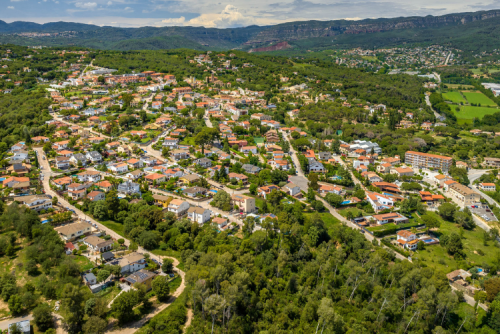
x,y
469,31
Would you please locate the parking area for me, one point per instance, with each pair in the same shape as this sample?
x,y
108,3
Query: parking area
x,y
483,211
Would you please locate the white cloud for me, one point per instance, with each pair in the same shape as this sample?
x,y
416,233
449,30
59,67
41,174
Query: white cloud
x,y
128,9
110,3
10,7
174,22
86,5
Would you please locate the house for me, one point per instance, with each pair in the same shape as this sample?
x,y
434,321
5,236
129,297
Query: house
x,y
130,263
325,156
149,161
94,156
446,185
266,190
40,139
136,174
316,167
12,181
199,215
392,217
384,168
440,179
402,171
129,188
35,202
387,187
379,201
95,196
329,189
178,206
73,231
291,189
104,185
77,158
238,177
487,186
251,169
161,200
189,178
194,191
180,154
20,156
89,176
173,172
118,168
372,176
203,162
107,256
221,223
458,274
135,163
393,161
61,145
171,142
19,168
491,162
62,182
62,162
407,239
97,244
155,178
18,147
90,279
23,327
248,149
143,277
426,196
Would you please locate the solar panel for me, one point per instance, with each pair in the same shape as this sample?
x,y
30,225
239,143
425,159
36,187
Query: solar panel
x,y
131,280
142,275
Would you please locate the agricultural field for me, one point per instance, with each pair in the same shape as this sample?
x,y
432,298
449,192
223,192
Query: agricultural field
x,y
458,86
478,97
468,113
454,96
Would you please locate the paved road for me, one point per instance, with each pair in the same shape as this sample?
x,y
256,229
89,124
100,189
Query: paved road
x,y
134,326
5,323
436,114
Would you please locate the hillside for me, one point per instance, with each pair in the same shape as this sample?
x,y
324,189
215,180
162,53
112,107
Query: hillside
x,y
468,31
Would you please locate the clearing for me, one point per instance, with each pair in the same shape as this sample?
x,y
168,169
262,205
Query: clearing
x,y
454,96
469,112
478,98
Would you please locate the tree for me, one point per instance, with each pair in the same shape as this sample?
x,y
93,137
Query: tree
x,y
492,287
313,181
311,196
222,200
206,137
95,325
123,306
100,210
253,189
72,299
213,305
54,200
15,304
447,210
334,199
431,221
42,315
102,275
167,266
161,288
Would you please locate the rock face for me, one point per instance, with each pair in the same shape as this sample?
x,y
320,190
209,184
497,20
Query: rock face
x,y
313,29
275,47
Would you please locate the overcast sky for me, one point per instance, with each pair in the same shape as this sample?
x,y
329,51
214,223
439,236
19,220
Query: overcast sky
x,y
212,13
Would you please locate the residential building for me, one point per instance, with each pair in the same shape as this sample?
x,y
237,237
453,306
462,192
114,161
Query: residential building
x,y
135,163
94,157
143,277
104,185
248,149
189,178
162,201
487,186
316,167
463,195
78,158
118,168
203,162
245,204
426,160
179,154
23,327
130,263
251,169
194,191
77,191
62,162
329,189
35,202
392,217
238,177
384,168
73,231
129,188
402,171
291,189
90,279
171,143
89,176
95,196
178,206
491,162
221,223
199,215
266,190
407,239
378,201
97,244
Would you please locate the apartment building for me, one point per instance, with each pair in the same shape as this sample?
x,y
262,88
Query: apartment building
x,y
426,160
463,195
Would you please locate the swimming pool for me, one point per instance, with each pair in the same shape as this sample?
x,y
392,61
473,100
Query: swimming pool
x,y
428,241
345,202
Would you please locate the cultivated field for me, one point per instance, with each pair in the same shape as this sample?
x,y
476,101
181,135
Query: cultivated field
x,y
469,113
454,96
478,97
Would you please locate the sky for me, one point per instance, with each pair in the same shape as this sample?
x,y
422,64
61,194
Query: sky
x,y
216,14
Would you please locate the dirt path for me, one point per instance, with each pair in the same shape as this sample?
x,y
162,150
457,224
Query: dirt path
x,y
133,327
188,320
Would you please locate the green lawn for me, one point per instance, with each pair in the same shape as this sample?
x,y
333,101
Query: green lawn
x,y
436,256
329,220
117,227
478,97
258,140
355,212
469,113
454,96
188,141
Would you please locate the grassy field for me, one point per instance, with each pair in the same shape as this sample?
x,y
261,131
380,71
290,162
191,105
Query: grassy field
x,y
478,97
188,141
469,113
454,96
117,227
258,140
436,256
355,212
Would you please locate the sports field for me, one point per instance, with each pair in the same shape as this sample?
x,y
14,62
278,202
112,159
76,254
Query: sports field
x,y
478,97
454,97
468,112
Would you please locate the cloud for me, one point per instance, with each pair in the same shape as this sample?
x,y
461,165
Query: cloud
x,y
86,5
174,22
128,9
10,7
110,3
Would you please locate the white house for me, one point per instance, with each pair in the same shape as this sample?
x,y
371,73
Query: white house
x,y
487,186
407,239
379,201
89,176
35,202
171,142
131,263
97,244
291,189
248,149
121,167
199,215
178,206
94,156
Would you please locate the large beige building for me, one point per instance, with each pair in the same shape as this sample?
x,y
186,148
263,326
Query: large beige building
x,y
73,231
426,160
245,203
463,195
